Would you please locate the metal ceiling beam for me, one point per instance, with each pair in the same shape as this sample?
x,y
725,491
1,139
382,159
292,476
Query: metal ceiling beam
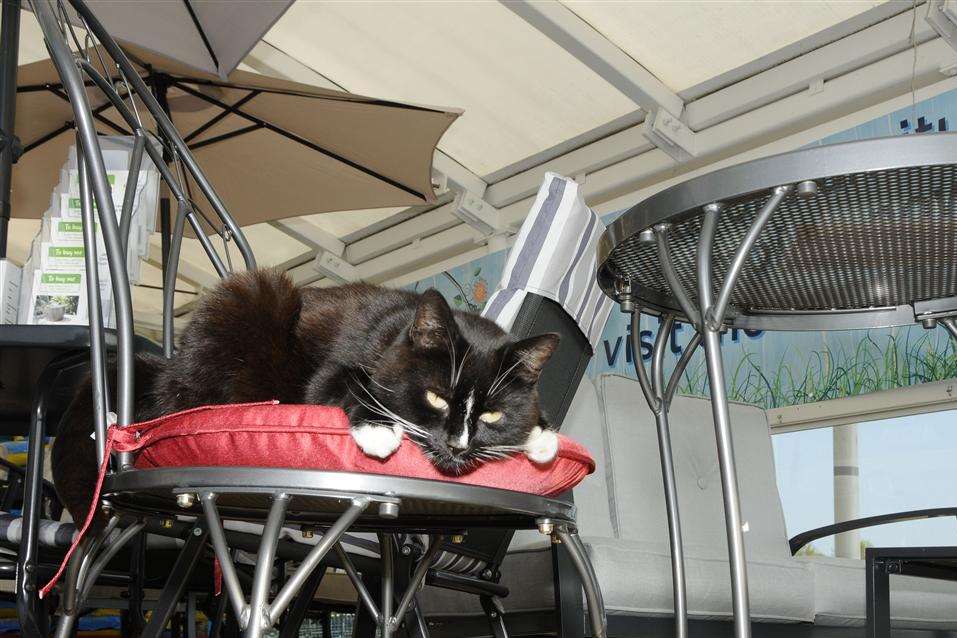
x,y
858,96
664,126
306,232
838,58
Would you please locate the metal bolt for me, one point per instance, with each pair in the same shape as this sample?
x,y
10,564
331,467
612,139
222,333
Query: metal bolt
x,y
647,236
546,527
487,574
389,510
185,500
197,531
406,550
457,539
807,188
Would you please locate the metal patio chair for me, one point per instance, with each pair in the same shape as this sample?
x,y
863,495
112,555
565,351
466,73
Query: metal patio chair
x,y
336,502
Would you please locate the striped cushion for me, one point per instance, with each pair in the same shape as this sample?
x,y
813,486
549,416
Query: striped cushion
x,y
555,256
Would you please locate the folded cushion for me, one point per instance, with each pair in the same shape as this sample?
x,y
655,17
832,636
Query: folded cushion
x,y
317,437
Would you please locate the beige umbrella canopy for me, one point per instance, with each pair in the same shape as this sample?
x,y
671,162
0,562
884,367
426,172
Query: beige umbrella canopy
x,y
271,148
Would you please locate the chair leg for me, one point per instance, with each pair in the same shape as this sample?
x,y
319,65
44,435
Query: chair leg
x,y
495,613
67,620
218,616
176,583
416,626
365,625
29,609
569,611
589,580
132,621
295,616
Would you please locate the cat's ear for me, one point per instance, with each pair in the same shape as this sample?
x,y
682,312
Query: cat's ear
x,y
434,324
530,355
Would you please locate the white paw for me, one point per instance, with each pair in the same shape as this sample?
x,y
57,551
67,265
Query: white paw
x,y
379,441
542,446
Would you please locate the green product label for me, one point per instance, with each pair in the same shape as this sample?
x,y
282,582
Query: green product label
x,y
74,203
66,251
71,227
57,278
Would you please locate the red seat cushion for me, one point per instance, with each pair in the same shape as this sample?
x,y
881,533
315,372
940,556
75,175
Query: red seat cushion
x,y
317,438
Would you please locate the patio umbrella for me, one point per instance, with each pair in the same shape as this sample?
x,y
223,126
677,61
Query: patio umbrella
x,y
209,37
272,148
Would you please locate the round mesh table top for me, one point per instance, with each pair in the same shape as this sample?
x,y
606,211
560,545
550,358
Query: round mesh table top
x,y
876,245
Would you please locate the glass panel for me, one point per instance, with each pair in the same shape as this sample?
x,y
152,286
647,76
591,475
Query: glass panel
x,y
904,463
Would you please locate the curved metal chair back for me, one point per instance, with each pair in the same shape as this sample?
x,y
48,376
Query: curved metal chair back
x,y
78,71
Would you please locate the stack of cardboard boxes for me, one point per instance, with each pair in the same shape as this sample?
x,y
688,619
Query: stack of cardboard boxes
x,y
53,286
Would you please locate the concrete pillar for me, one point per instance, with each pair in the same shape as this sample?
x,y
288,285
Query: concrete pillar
x,y
847,498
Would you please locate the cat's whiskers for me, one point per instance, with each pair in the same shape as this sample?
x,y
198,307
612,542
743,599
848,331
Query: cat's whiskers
x,y
497,384
458,374
384,411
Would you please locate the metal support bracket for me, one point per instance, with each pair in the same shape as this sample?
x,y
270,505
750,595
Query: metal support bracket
x,y
666,131
334,267
477,213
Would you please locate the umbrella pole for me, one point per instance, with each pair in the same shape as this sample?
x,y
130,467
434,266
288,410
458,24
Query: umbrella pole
x,y
9,144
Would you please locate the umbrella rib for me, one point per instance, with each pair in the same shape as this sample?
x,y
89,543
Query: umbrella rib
x,y
202,34
96,113
68,125
345,97
218,117
225,136
301,140
40,141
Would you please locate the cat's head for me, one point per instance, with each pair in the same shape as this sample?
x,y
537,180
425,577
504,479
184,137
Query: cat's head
x,y
461,388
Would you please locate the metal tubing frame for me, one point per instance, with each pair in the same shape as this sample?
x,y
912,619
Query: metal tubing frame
x,y
94,306
28,602
722,427
165,126
129,197
715,314
315,556
668,270
92,155
576,550
87,583
386,551
218,539
418,575
708,319
950,325
658,395
258,616
361,590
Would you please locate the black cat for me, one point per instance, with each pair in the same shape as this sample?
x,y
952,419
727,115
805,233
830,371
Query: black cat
x,y
399,363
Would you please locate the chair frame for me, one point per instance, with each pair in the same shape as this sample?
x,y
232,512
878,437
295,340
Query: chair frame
x,y
338,501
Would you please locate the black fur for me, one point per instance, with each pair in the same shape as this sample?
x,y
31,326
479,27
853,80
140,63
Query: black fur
x,y
374,351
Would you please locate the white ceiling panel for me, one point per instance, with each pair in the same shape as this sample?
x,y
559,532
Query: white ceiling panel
x,y
521,92
685,43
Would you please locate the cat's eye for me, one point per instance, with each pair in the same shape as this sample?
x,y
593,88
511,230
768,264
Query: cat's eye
x,y
436,401
490,417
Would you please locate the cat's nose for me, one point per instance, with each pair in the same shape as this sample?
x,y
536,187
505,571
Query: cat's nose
x,y
457,444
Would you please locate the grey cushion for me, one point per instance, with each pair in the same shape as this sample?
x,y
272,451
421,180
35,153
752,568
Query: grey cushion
x,y
636,579
638,506
916,603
